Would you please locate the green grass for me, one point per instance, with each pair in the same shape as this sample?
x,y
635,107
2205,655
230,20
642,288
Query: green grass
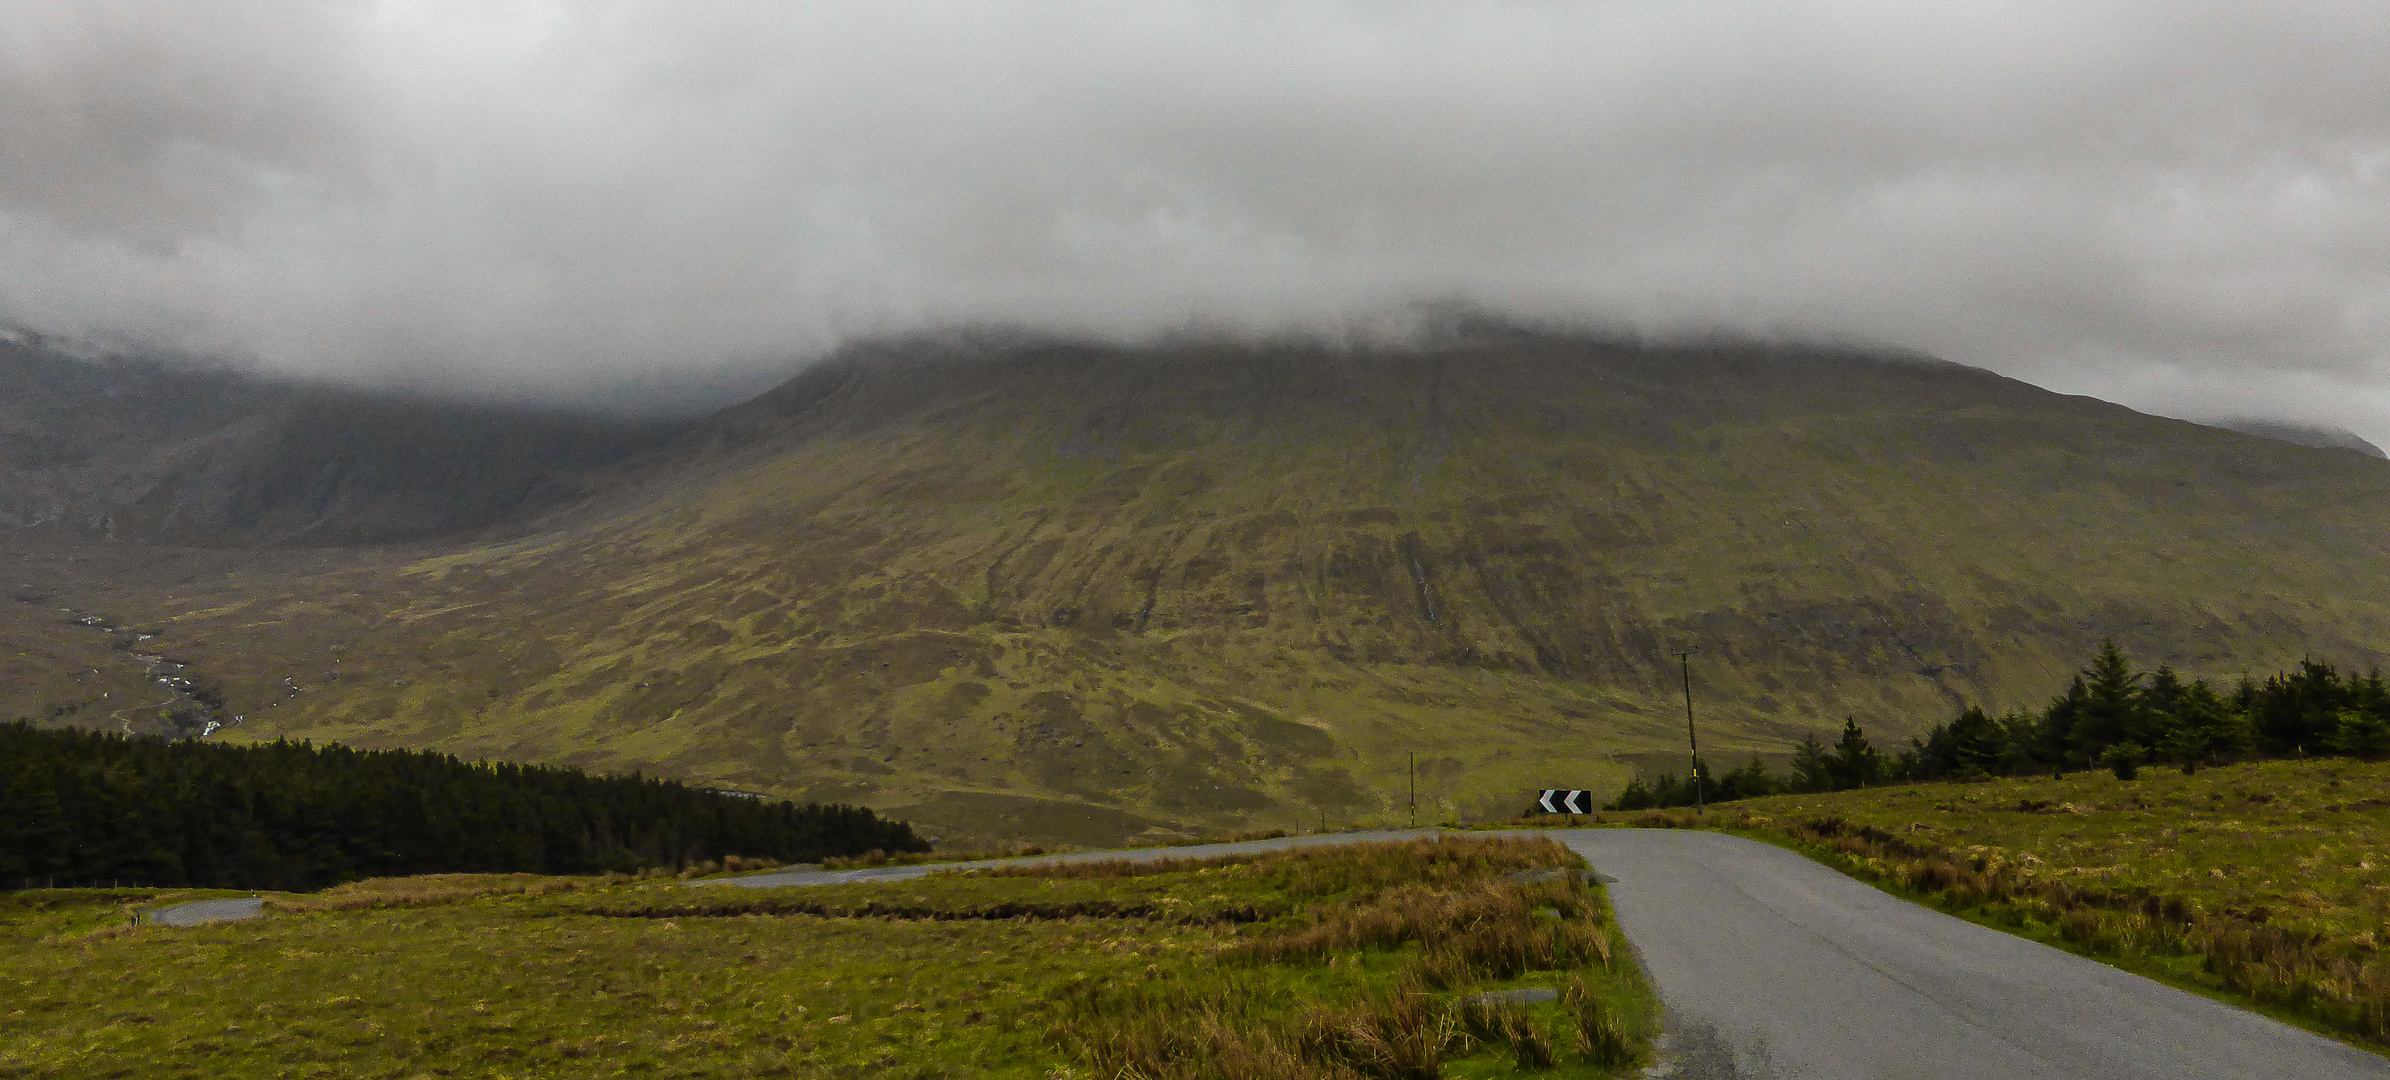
x,y
1013,974
2266,884
34,915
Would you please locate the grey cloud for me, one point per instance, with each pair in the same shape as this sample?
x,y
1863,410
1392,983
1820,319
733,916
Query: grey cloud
x,y
2185,206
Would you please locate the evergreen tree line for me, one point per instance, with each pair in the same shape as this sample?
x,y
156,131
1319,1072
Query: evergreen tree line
x,y
82,807
2110,716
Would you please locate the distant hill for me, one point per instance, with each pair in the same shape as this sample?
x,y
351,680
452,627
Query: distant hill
x,y
2328,438
1008,587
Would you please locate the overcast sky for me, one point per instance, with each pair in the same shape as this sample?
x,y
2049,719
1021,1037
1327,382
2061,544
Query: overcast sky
x,y
2183,206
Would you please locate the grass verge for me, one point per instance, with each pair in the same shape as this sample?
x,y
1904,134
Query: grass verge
x,y
2266,885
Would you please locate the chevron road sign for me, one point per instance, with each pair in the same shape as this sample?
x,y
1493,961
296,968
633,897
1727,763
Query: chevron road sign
x,y
1564,801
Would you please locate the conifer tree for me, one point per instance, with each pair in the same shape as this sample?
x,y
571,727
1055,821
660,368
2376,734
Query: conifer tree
x,y
2296,711
1856,762
85,806
2110,711
2207,728
1637,796
2360,733
2055,741
2161,709
1812,766
2017,732
1751,781
1977,743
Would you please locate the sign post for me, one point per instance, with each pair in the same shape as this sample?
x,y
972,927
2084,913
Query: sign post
x,y
1564,801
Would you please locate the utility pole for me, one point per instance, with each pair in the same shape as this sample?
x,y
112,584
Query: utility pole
x,y
1414,789
1692,745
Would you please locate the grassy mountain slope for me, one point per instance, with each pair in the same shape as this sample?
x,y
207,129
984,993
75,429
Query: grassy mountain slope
x,y
1016,589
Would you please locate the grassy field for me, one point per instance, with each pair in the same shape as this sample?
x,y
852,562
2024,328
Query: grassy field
x,y
2267,883
1349,962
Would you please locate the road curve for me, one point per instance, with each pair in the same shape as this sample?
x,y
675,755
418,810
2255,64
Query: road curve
x,y
1773,967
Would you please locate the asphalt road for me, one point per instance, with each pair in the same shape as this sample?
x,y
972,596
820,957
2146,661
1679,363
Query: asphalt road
x,y
1195,851
1772,967
206,911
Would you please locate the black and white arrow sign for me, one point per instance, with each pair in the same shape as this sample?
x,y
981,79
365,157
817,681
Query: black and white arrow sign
x,y
1565,801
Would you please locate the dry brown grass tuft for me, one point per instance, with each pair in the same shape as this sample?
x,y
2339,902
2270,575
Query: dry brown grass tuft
x,y
729,864
429,890
916,858
1473,917
1506,1023
1491,928
1349,868
1402,1035
1243,836
1600,1037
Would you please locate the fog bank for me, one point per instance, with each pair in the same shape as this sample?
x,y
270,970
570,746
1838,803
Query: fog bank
x,y
2182,206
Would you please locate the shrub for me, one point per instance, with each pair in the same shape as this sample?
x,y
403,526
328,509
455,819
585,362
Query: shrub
x,y
2123,759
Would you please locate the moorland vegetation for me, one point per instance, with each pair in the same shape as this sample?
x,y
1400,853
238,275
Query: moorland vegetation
x,y
1367,961
2110,717
85,807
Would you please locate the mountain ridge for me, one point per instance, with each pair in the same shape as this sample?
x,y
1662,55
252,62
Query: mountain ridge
x,y
1079,591
2316,435
153,451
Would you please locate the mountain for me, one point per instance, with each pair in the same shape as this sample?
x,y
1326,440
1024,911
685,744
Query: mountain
x,y
150,450
1005,586
2315,435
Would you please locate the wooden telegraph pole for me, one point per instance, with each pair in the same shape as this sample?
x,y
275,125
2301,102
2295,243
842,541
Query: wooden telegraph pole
x,y
1692,744
1414,789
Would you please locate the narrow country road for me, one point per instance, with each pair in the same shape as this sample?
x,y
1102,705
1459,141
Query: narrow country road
x,y
1773,967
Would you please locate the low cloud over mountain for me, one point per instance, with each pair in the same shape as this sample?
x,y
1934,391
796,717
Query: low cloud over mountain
x,y
2184,206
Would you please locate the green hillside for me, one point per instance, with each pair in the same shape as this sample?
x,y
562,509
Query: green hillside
x,y
1079,593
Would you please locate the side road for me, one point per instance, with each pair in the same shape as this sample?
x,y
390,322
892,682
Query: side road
x,y
198,912
1773,967
205,911
778,878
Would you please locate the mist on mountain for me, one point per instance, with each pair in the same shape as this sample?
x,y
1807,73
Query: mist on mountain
x,y
2304,435
2177,206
